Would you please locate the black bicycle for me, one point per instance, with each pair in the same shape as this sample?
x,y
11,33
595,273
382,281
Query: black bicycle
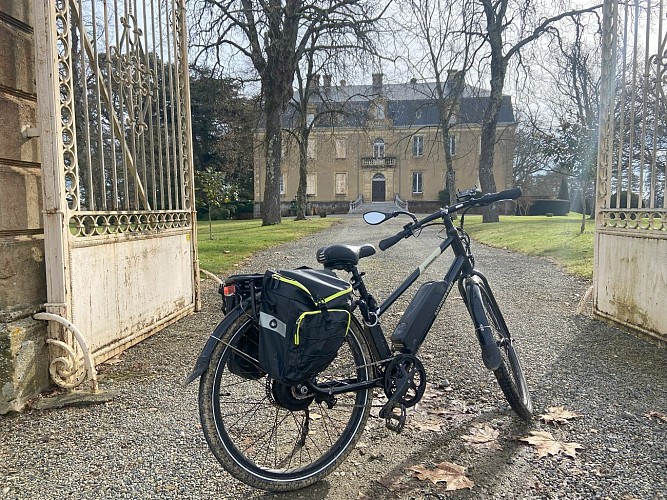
x,y
279,437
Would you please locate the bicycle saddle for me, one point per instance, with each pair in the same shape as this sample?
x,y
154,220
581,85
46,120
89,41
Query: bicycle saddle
x,y
342,256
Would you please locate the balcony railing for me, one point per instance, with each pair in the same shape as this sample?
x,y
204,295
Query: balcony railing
x,y
387,162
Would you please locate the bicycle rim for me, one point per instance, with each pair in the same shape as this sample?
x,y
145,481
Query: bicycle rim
x,y
267,437
510,375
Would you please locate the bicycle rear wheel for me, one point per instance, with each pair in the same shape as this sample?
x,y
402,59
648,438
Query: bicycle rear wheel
x,y
509,374
271,437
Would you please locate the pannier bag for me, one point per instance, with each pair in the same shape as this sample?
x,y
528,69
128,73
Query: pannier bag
x,y
244,353
304,318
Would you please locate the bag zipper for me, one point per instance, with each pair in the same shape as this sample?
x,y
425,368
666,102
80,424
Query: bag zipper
x,y
295,283
300,319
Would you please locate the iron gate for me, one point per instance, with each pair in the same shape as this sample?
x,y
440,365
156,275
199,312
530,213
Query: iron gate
x,y
120,232
630,278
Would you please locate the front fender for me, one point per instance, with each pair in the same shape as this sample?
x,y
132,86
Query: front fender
x,y
202,361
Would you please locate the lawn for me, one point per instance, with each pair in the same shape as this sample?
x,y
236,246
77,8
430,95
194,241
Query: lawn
x,y
236,240
556,238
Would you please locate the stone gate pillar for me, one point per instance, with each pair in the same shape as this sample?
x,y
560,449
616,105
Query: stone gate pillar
x,y
23,352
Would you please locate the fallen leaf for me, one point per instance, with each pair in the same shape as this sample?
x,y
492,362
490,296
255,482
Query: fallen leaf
x,y
657,414
558,415
547,445
427,425
451,474
483,437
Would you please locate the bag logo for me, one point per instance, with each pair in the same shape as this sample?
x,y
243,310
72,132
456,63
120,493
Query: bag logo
x,y
273,323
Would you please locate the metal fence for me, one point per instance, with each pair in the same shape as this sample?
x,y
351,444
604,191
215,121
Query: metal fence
x,y
633,148
123,112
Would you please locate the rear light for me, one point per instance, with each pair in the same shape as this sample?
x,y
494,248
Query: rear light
x,y
229,290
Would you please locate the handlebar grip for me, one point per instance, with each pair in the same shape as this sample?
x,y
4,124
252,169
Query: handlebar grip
x,y
391,241
508,194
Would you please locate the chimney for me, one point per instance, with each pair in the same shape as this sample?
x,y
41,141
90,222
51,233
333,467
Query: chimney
x,y
377,81
326,80
343,83
413,81
453,75
314,82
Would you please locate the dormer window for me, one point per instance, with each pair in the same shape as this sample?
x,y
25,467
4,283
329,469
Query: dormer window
x,y
377,110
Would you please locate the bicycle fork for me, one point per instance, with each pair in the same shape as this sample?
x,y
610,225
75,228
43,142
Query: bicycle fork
x,y
470,291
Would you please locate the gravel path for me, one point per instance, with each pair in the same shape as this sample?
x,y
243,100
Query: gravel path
x,y
147,442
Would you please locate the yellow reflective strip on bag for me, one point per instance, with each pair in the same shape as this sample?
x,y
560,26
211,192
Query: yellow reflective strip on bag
x,y
338,294
292,282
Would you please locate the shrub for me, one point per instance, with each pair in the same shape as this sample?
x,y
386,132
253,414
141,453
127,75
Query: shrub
x,y
219,214
555,207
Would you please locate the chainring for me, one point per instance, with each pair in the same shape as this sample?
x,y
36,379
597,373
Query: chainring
x,y
405,380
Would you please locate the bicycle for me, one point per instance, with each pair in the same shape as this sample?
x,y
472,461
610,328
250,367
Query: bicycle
x,y
277,437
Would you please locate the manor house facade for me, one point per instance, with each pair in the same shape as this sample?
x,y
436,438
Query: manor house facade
x,y
380,142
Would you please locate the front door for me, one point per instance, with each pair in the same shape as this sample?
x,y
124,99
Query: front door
x,y
379,189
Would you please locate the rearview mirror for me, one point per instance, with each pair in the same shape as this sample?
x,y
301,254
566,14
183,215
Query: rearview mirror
x,y
375,218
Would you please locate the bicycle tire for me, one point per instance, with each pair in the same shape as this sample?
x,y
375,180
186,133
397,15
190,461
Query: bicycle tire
x,y
261,442
509,374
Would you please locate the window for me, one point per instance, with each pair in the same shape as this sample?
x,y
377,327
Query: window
x,y
417,182
378,148
282,184
418,145
312,148
311,184
377,111
341,148
452,145
341,183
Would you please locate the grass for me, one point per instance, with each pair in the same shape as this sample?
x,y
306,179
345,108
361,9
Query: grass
x,y
556,238
236,240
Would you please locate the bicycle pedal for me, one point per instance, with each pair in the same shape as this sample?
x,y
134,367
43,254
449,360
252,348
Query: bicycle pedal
x,y
396,422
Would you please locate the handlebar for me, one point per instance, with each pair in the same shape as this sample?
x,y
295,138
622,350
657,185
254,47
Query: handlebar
x,y
392,240
487,199
508,194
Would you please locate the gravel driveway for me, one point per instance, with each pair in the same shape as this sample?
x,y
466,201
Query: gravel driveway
x,y
147,442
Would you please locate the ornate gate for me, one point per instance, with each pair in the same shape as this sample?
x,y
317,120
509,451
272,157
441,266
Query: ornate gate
x,y
630,278
119,224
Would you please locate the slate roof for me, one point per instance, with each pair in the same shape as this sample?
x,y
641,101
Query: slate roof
x,y
408,105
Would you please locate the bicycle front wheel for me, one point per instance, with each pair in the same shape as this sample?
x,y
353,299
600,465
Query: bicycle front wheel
x,y
268,435
509,374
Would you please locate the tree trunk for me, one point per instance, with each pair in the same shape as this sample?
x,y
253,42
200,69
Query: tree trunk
x,y
486,179
210,224
301,197
273,141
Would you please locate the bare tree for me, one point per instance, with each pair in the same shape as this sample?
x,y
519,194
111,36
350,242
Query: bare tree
x,y
509,27
274,35
443,32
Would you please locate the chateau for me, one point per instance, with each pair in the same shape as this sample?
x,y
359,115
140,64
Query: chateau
x,y
382,143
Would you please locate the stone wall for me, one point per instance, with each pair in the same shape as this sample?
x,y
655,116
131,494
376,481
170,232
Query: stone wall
x,y
23,352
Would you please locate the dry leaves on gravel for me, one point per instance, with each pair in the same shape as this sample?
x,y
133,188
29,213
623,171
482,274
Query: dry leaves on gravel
x,y
545,444
483,437
452,474
558,415
657,414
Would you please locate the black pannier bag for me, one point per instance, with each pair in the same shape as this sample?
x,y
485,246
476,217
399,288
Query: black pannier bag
x,y
244,355
304,318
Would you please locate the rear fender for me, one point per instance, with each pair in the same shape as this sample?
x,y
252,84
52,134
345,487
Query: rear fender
x,y
202,361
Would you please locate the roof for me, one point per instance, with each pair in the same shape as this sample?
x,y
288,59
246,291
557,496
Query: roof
x,y
408,105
